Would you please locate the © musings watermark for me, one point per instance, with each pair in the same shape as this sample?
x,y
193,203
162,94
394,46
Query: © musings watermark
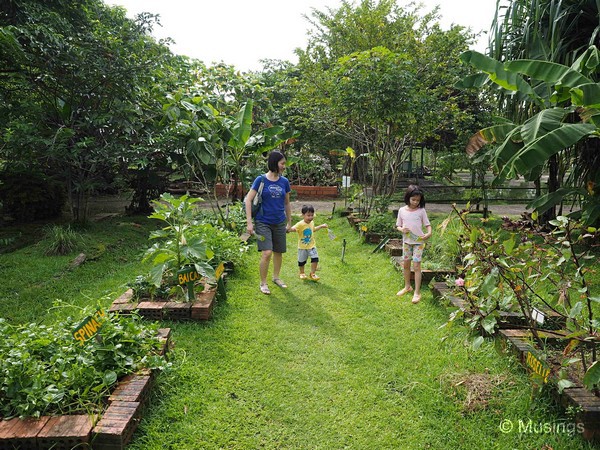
x,y
528,426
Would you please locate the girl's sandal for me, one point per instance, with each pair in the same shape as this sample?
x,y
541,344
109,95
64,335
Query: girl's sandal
x,y
279,282
265,289
416,298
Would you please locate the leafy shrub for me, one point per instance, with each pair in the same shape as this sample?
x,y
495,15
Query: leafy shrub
x,y
382,223
142,287
310,169
233,219
225,245
44,370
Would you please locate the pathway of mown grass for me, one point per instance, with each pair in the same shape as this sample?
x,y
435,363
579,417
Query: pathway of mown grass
x,y
342,363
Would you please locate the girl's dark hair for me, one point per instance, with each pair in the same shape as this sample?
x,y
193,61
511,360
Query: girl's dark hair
x,y
411,191
274,157
308,208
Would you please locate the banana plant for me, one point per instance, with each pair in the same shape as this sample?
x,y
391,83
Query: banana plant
x,y
239,142
568,99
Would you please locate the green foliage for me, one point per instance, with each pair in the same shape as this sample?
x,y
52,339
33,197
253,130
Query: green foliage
x,y
82,88
142,287
382,223
310,169
61,240
45,371
508,272
381,76
225,244
179,244
232,219
567,99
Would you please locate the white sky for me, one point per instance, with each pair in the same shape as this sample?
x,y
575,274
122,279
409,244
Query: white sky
x,y
242,32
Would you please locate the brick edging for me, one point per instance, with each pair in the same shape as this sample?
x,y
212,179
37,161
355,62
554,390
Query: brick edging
x,y
201,309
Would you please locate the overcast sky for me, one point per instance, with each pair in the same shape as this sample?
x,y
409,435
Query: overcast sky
x,y
242,32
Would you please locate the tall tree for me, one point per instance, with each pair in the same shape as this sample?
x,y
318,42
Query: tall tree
x,y
381,77
74,82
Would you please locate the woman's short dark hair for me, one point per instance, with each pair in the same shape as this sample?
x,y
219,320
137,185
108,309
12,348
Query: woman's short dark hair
x,y
412,191
272,163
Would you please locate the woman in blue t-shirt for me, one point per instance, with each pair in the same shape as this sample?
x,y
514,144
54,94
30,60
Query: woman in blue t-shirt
x,y
273,220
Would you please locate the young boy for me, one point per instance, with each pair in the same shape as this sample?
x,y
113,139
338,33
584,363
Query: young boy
x,y
306,242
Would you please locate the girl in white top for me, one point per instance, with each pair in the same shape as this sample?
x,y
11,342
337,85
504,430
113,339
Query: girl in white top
x,y
412,218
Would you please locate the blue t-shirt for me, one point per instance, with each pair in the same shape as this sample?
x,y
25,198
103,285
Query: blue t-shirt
x,y
273,199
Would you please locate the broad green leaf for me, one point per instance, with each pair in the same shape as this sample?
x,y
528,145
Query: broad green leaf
x,y
587,95
509,245
472,81
110,378
549,72
549,144
497,72
243,125
542,123
564,384
547,201
477,342
497,133
576,310
489,283
489,324
592,376
156,273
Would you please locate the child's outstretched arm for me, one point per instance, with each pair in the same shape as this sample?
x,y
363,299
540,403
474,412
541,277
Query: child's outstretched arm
x,y
323,225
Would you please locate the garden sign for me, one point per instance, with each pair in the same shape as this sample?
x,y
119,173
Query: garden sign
x,y
188,275
89,327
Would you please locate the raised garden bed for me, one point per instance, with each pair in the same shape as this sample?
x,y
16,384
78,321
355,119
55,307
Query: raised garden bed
x,y
355,221
394,247
112,430
201,309
584,404
426,274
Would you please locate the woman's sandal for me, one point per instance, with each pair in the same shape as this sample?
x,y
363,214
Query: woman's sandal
x,y
279,282
403,291
416,298
265,289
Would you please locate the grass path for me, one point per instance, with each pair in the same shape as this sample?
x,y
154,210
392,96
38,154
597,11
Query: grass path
x,y
342,363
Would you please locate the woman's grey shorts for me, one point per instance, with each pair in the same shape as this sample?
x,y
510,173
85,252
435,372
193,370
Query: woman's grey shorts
x,y
274,236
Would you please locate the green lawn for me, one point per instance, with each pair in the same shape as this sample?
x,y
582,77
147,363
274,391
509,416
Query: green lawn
x,y
342,363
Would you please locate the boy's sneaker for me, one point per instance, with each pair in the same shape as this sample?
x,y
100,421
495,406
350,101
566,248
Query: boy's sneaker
x,y
314,277
303,276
